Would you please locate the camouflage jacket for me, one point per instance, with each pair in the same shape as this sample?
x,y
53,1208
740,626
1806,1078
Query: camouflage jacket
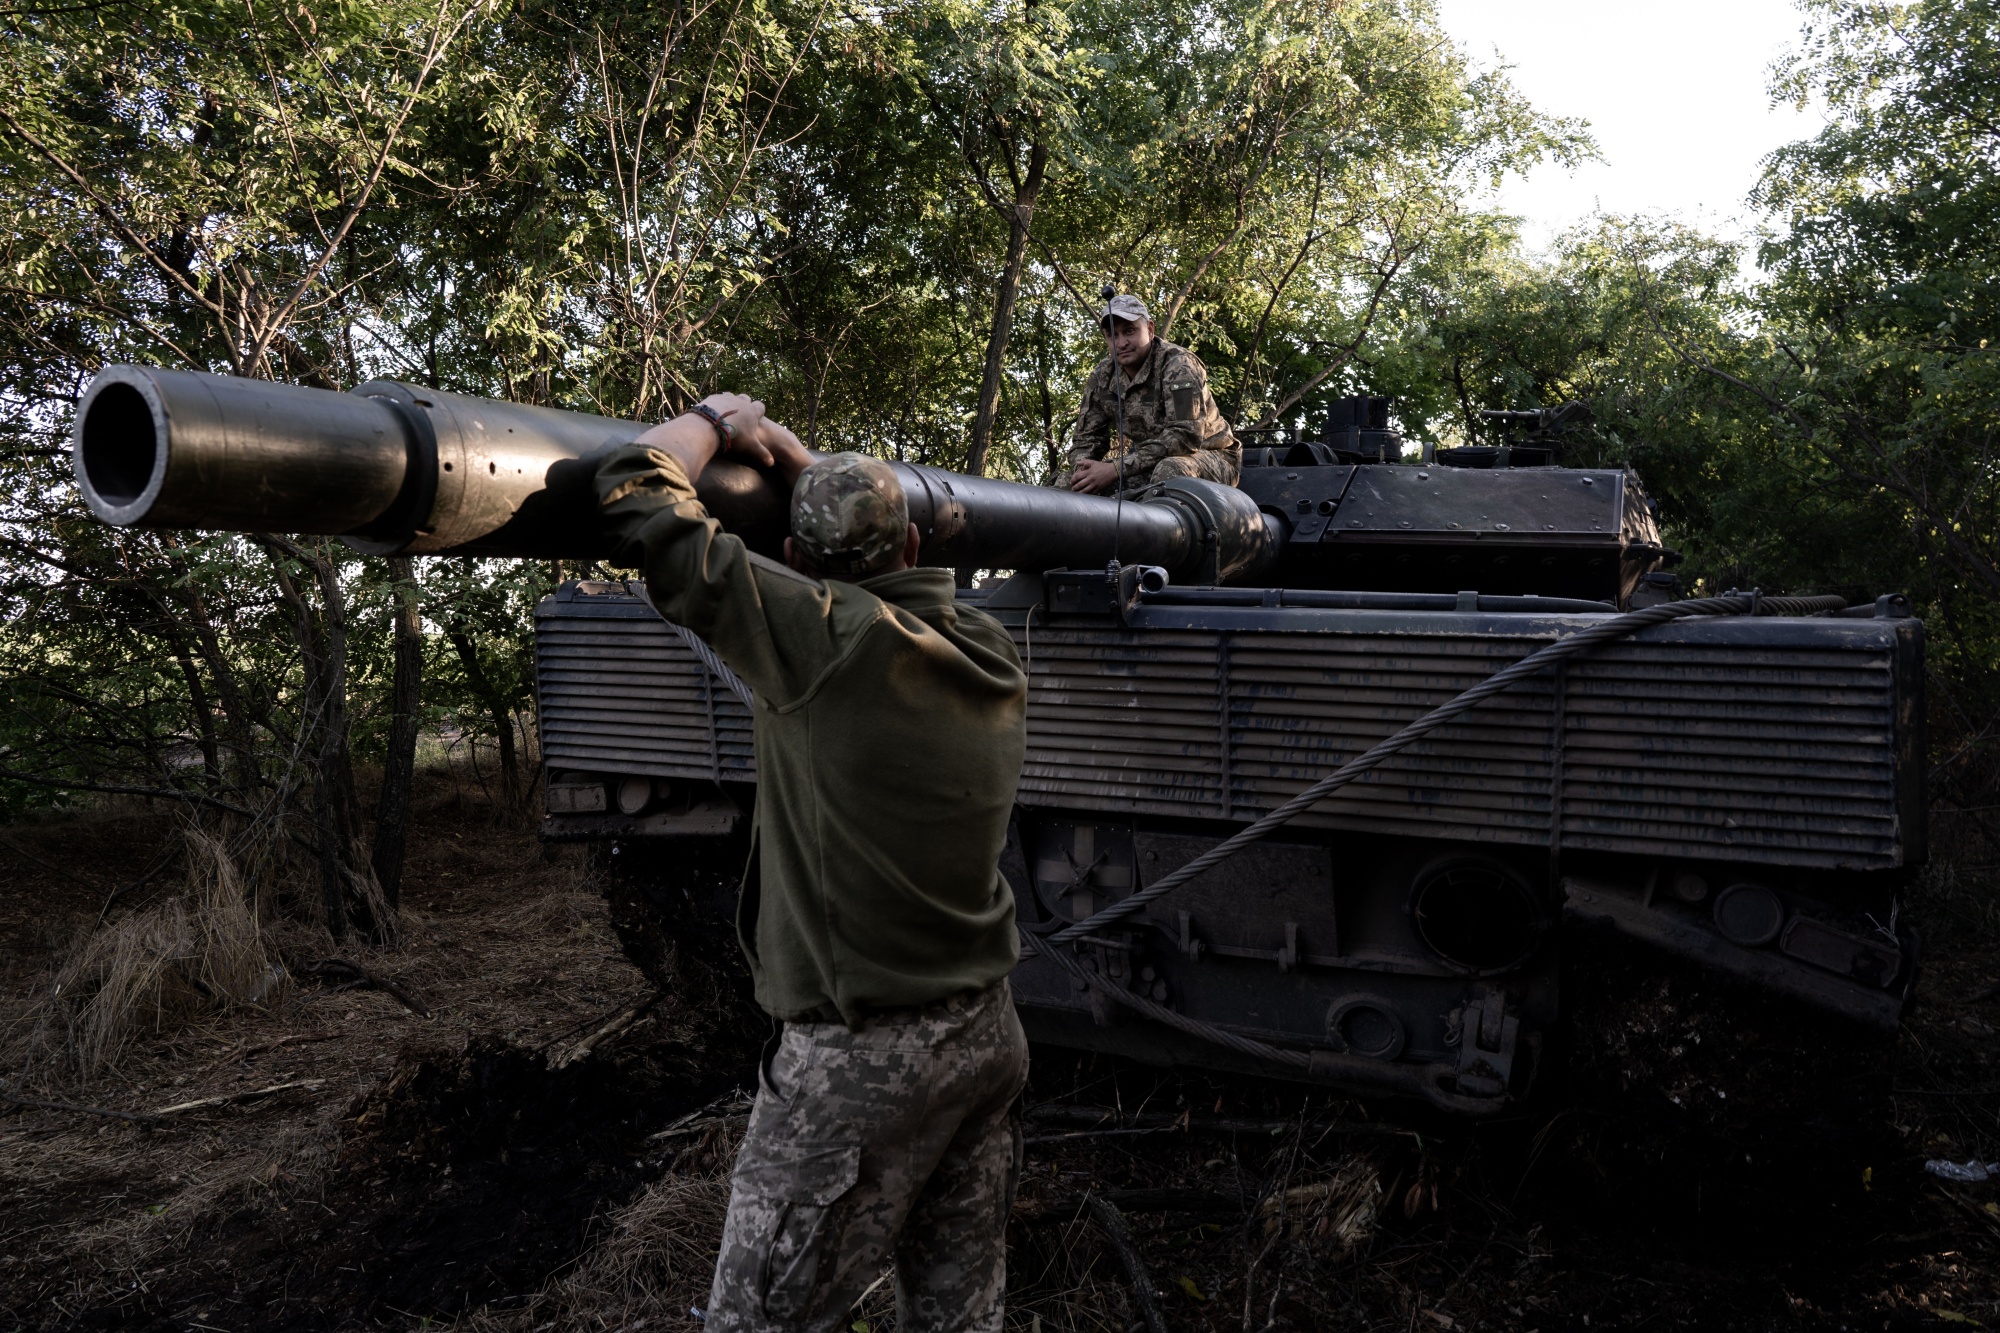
x,y
891,721
1168,411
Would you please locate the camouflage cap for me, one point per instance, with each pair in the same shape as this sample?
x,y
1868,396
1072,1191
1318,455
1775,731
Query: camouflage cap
x,y
849,515
1126,307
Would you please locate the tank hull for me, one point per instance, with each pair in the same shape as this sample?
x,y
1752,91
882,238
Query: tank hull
x,y
1668,790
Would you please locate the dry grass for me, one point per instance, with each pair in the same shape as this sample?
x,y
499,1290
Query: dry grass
x,y
500,935
203,951
653,1256
221,1171
503,936
1062,1281
1334,1217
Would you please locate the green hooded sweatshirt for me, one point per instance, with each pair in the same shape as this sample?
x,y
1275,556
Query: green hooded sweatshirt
x,y
890,728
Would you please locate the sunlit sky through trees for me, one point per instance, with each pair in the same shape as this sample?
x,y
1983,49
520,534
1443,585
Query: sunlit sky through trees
x,y
1676,97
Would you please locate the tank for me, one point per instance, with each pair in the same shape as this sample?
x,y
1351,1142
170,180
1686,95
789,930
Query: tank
x,y
1742,791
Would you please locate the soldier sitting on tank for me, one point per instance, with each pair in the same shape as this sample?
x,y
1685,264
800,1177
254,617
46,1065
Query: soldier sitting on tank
x,y
1172,425
890,730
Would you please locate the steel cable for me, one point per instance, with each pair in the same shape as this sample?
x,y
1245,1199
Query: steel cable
x,y
1194,1027
1561,650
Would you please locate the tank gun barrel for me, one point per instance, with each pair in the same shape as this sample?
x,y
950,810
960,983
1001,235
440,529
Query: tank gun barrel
x,y
394,468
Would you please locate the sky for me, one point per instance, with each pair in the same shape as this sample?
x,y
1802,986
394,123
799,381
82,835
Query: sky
x,y
1675,94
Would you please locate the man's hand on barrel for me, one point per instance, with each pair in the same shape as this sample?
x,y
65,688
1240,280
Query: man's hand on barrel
x,y
732,425
758,440
1094,476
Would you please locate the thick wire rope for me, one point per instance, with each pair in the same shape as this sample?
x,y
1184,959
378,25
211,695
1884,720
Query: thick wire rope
x,y
1194,1027
1561,650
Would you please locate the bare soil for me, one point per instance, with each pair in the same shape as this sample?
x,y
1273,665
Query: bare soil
x,y
1708,1160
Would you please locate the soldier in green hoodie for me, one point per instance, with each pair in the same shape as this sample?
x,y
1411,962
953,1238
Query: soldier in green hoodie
x,y
890,728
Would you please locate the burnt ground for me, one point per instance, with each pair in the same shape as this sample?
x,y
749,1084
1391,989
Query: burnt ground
x,y
1708,1159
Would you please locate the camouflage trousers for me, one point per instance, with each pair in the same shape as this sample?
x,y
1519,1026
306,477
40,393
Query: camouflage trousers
x,y
1214,465
897,1142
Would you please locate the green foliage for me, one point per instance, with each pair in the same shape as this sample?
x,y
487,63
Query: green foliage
x,y
1885,282
1883,311
616,207
199,184
1827,425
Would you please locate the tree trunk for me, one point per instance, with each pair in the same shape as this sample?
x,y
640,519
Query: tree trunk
x,y
496,709
392,809
204,712
351,896
1018,219
238,736
1048,400
1180,298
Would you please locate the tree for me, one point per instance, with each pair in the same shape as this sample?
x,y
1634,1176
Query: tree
x,y
886,221
207,187
485,611
999,85
1261,171
1885,291
1879,369
1830,427
392,806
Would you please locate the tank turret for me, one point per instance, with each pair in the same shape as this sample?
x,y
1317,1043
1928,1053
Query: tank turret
x,y
1352,512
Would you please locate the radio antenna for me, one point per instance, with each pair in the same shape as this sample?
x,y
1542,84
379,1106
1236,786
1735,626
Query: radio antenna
x,y
1107,291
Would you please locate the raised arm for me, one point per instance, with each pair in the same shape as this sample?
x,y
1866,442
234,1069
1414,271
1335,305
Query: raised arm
x,y
768,622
